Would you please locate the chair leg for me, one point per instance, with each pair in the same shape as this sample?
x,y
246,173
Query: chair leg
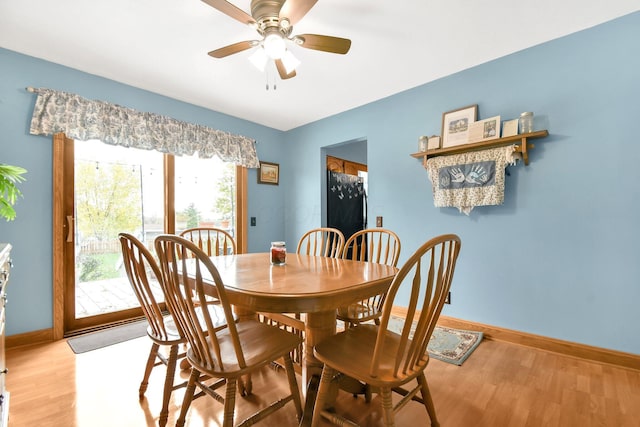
x,y
387,407
367,393
323,391
229,402
168,384
293,384
428,401
184,363
188,396
245,385
151,360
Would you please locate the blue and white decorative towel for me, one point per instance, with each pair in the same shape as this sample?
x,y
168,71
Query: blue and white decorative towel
x,y
471,179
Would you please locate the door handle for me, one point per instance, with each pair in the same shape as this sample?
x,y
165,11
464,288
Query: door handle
x,y
70,228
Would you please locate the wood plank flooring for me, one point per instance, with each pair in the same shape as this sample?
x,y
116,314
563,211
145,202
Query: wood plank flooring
x,y
501,384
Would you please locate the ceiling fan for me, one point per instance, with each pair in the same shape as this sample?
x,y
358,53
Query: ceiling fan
x,y
274,20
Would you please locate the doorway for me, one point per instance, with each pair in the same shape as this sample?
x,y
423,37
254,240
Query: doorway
x,y
346,188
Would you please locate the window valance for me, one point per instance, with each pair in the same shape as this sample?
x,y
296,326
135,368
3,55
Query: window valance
x,y
84,119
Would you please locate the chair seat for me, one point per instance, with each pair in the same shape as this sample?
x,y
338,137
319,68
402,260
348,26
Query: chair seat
x,y
174,336
351,351
261,344
358,312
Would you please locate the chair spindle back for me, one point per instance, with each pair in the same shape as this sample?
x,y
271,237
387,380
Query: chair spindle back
x,y
213,241
323,241
429,272
186,292
144,274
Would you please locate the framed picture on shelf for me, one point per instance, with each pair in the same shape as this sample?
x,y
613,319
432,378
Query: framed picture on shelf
x,y
269,173
484,130
455,125
510,127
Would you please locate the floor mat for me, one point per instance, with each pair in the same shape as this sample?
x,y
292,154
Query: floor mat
x,y
106,337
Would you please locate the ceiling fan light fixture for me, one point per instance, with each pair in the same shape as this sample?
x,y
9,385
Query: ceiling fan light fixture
x,y
274,46
274,20
259,59
290,62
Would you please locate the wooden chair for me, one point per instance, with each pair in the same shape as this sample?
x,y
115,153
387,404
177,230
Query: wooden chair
x,y
213,241
382,358
144,275
376,245
223,354
323,241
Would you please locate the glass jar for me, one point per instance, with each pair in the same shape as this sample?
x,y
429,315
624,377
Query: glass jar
x,y
526,122
278,253
422,143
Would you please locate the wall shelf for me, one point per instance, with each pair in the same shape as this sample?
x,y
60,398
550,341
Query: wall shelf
x,y
521,139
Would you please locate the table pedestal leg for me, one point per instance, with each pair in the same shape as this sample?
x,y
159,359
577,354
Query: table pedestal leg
x,y
318,326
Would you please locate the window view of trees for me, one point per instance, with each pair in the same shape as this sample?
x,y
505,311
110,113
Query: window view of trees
x,y
192,216
108,201
226,194
205,193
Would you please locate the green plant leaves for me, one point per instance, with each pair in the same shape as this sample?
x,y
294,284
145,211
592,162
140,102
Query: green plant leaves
x,y
9,192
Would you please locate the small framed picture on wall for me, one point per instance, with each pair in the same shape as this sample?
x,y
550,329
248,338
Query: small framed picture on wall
x,y
269,173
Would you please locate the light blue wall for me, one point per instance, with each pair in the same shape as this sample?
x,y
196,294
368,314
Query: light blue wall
x,y
560,257
30,290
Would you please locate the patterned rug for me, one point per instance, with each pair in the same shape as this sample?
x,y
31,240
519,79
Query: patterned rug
x,y
446,344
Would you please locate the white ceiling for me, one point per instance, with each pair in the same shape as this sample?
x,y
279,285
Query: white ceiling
x,y
162,45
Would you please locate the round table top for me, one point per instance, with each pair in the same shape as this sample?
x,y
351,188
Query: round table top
x,y
305,284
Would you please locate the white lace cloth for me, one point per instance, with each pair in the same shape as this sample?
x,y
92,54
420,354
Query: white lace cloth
x,y
471,179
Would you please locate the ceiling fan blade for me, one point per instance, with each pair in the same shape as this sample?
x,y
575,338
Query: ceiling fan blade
x,y
233,48
283,71
325,43
231,10
294,10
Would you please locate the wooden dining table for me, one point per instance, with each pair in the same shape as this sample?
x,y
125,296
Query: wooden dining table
x,y
308,284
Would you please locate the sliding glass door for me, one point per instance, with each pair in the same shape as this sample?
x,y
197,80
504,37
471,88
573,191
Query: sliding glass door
x,y
107,190
116,190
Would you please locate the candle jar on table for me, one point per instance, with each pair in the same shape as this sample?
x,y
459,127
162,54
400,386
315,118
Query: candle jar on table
x,y
278,253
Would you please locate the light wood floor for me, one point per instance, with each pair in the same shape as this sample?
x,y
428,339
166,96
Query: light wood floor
x,y
501,384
